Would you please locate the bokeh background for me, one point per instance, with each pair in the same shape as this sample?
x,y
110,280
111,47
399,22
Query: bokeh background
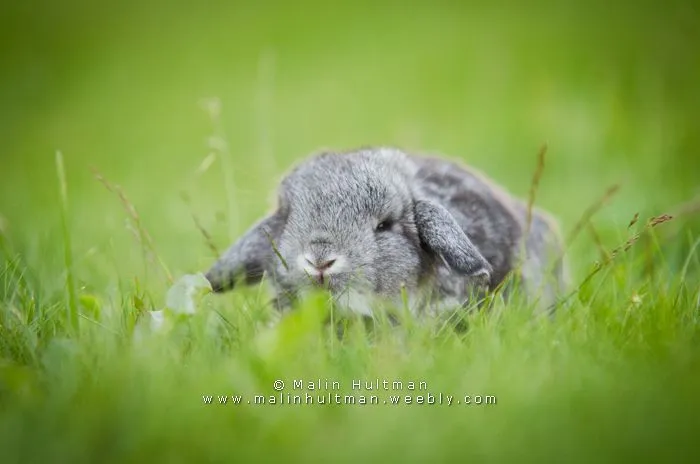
x,y
197,108
128,88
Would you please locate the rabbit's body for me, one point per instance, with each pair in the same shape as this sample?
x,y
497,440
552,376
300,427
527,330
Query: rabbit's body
x,y
496,222
377,221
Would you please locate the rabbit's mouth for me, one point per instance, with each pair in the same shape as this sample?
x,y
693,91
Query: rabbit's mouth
x,y
336,283
332,282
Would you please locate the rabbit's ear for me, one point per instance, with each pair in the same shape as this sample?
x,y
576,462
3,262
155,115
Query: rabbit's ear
x,y
248,257
441,234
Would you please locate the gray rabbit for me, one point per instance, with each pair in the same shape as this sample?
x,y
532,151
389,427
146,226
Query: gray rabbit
x,y
379,222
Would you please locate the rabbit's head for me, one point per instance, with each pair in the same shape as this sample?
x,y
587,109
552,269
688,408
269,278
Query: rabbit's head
x,y
352,220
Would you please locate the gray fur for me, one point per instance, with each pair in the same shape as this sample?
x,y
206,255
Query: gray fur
x,y
450,232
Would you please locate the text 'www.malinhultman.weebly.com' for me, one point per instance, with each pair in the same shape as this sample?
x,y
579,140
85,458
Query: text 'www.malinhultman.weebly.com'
x,y
360,392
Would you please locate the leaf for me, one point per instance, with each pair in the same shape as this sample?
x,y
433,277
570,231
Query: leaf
x,y
184,296
90,304
296,332
138,303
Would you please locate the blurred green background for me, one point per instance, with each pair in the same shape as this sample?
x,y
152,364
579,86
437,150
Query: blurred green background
x,y
127,88
612,87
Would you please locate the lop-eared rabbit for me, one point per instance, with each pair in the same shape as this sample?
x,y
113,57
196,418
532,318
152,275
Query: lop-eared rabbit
x,y
379,224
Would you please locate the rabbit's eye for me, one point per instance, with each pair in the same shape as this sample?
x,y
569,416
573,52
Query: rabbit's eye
x,y
384,225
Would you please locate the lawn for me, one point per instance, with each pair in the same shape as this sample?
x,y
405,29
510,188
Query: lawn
x,y
139,139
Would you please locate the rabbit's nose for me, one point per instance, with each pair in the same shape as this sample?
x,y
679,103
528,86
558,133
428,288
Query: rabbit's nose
x,y
322,264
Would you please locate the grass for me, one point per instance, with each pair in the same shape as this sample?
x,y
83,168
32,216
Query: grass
x,y
149,185
72,305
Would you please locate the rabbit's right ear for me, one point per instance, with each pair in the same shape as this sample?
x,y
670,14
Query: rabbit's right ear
x,y
248,257
441,234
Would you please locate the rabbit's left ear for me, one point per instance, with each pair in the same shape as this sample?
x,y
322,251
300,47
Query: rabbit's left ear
x,y
441,234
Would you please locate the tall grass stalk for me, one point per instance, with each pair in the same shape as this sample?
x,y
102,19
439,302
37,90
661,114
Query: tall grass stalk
x,y
72,300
